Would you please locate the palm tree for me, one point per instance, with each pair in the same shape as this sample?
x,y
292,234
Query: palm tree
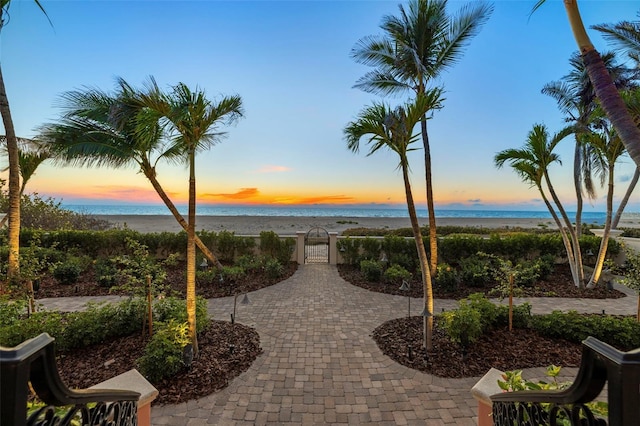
x,y
192,121
393,129
98,129
531,163
417,47
624,34
29,159
608,148
603,84
577,100
14,162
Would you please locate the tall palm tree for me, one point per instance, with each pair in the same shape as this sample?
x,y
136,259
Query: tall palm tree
x,y
603,84
576,99
14,162
417,46
608,148
393,129
531,163
192,121
98,129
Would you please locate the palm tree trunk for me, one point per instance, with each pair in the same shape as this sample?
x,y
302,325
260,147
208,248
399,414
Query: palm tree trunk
x,y
433,237
602,252
191,254
625,199
574,255
603,85
150,173
563,234
424,262
577,183
14,184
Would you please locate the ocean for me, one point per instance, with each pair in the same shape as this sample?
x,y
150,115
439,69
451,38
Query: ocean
x,y
333,211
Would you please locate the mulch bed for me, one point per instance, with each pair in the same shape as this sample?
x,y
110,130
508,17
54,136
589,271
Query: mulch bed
x,y
225,351
498,348
558,284
176,281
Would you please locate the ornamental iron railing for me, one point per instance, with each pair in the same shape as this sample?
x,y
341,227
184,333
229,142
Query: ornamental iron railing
x,y
33,363
600,364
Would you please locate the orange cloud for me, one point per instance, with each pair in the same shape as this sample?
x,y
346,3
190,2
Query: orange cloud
x,y
243,194
115,192
273,169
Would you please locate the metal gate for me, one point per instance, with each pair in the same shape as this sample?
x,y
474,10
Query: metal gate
x,y
316,246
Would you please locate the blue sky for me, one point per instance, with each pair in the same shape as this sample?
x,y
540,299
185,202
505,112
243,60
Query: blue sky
x,y
289,61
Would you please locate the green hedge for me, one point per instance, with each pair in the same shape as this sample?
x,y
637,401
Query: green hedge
x,y
97,323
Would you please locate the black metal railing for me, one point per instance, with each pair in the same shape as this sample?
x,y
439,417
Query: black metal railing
x,y
33,361
600,364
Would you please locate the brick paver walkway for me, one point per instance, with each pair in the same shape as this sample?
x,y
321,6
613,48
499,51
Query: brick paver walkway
x,y
320,365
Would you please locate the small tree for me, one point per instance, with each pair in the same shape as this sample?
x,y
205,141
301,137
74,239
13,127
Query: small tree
x,y
632,274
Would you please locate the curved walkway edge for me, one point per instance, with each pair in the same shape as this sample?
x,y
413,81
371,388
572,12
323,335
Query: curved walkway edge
x,y
320,365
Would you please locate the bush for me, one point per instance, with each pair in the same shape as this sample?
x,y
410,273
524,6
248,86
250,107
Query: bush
x,y
401,251
349,249
273,246
371,249
163,355
273,268
232,274
371,269
46,213
172,308
621,332
11,311
488,311
521,316
68,272
446,277
475,271
395,274
463,325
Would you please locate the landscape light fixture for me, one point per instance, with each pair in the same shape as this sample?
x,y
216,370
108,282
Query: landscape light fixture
x,y
426,313
204,265
245,300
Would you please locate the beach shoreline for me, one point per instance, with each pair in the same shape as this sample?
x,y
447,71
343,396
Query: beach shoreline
x,y
290,225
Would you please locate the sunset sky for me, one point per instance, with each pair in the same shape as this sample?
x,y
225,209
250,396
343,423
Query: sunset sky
x,y
290,63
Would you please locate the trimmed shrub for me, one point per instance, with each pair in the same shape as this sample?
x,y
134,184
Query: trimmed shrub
x,y
371,269
273,268
370,249
395,274
68,272
163,355
349,249
463,325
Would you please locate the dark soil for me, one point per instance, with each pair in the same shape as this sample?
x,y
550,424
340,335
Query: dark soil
x,y
557,284
225,351
401,340
176,281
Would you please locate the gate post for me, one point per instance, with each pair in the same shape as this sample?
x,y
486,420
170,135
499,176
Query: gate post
x,y
333,248
300,247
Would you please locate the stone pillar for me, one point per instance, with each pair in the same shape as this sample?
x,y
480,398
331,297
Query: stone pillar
x,y
133,380
482,391
300,247
333,248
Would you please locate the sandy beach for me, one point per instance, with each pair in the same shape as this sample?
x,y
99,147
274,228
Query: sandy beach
x,y
289,225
